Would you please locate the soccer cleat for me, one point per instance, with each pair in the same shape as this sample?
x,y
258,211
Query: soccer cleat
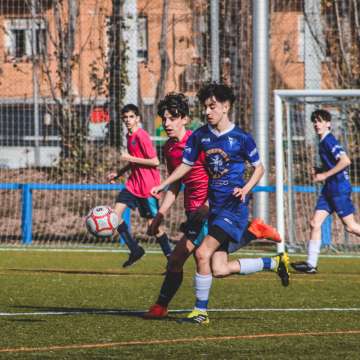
x,y
264,231
156,312
196,317
134,257
304,267
282,268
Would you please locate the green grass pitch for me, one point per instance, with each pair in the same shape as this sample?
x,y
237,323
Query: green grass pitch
x,y
83,305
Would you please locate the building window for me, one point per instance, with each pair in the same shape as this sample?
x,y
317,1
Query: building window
x,y
18,38
142,38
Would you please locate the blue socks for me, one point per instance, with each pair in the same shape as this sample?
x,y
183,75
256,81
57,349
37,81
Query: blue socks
x,y
123,230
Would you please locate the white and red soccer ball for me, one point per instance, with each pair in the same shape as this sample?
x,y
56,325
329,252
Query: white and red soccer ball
x,y
102,221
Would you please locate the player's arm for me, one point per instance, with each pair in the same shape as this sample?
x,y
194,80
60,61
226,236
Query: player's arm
x,y
343,163
140,161
169,198
257,174
178,173
114,175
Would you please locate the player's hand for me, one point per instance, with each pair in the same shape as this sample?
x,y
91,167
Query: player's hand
x,y
316,170
153,228
125,156
156,190
320,177
111,177
201,213
240,193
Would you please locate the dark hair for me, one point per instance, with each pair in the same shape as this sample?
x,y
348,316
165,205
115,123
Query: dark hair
x,y
323,114
175,103
220,92
130,107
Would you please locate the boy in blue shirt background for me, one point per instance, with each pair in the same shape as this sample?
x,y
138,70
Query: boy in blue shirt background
x,y
335,194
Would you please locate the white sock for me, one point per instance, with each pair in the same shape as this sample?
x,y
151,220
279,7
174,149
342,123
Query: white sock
x,y
313,252
202,285
249,266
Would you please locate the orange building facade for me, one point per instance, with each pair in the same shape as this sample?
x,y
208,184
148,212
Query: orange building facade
x,y
92,46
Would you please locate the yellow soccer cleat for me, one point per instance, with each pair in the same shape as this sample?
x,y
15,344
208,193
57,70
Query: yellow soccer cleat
x,y
282,268
196,317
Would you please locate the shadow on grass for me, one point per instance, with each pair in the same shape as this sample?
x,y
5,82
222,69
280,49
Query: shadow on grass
x,y
25,320
84,272
70,311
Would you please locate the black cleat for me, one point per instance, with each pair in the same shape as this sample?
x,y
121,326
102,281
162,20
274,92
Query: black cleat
x,y
134,257
282,268
304,267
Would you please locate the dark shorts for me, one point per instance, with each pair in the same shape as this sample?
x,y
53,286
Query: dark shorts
x,y
233,225
227,243
341,204
194,230
148,207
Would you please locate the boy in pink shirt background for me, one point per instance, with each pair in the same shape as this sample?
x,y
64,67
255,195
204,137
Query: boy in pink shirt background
x,y
144,175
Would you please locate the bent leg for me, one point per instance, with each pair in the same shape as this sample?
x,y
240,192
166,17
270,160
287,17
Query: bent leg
x,y
351,225
222,267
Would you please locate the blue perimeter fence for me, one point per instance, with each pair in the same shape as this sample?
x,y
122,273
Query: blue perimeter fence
x,y
26,216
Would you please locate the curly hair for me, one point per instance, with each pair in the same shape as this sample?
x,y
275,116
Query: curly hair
x,y
175,103
220,92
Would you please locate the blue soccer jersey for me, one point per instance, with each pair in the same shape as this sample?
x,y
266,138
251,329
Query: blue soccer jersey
x,y
330,151
226,155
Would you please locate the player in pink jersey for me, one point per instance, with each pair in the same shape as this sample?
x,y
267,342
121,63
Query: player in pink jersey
x,y
142,164
174,111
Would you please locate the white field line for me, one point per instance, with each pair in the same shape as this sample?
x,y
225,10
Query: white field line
x,y
93,250
140,312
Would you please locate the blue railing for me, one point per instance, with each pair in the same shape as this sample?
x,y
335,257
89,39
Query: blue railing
x,y
27,206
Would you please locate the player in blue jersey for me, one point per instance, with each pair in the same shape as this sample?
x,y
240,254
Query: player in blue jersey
x,y
227,148
336,193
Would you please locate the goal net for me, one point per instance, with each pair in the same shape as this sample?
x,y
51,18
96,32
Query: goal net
x,y
297,154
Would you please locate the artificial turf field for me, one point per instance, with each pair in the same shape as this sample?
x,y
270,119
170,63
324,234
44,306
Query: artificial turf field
x,y
83,305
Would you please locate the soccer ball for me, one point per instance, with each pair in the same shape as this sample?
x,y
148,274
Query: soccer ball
x,y
102,221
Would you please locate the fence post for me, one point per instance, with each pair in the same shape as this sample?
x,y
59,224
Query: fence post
x,y
26,216
326,232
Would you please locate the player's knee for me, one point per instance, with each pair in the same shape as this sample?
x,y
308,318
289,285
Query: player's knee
x,y
220,272
202,256
315,225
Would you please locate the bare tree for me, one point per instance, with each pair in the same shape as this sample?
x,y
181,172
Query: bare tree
x,y
164,58
340,42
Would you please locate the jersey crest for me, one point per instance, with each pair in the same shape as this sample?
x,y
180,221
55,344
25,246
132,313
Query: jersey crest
x,y
218,162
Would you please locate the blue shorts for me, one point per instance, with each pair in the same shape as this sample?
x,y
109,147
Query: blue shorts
x,y
148,207
341,204
194,230
233,223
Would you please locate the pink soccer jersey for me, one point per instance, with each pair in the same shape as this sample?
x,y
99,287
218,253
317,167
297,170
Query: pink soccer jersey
x,y
196,181
142,178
